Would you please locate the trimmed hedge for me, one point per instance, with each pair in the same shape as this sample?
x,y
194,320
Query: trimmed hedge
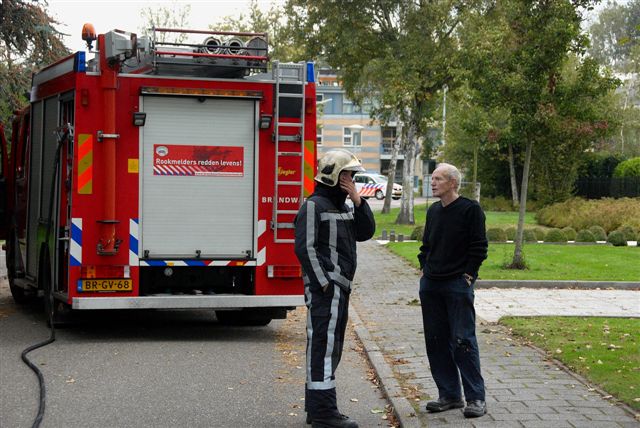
x,y
555,235
529,236
539,233
628,233
570,233
616,239
628,168
495,234
598,233
511,233
585,236
417,233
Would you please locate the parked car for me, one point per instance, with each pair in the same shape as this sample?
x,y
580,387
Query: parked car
x,y
371,184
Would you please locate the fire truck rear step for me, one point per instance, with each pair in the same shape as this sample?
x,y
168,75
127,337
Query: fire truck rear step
x,y
230,301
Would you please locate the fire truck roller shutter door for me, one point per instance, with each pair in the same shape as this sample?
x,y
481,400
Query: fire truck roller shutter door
x,y
197,177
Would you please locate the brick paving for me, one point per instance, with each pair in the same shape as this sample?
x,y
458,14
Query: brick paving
x,y
523,389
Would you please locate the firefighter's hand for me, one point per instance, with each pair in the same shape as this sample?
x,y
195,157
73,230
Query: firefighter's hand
x,y
348,186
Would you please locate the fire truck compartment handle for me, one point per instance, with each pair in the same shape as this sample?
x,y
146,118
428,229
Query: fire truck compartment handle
x,y
102,135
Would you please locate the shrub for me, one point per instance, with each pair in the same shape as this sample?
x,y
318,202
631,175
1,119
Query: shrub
x,y
581,213
628,168
495,234
598,233
617,239
511,233
585,236
539,233
628,233
499,203
570,233
555,235
416,233
530,236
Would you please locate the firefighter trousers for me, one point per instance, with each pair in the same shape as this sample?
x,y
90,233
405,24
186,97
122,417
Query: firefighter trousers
x,y
327,313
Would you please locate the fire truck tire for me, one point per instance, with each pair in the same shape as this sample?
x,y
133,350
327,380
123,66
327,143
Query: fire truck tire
x,y
379,195
58,313
241,318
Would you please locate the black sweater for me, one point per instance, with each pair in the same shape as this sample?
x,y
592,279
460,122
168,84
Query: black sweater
x,y
454,240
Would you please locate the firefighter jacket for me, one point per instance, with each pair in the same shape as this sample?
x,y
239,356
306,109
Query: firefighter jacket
x,y
326,231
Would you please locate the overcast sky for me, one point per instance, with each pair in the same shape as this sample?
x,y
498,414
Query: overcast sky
x,y
125,15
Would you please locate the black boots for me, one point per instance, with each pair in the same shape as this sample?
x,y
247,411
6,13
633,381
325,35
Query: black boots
x,y
475,409
341,421
443,404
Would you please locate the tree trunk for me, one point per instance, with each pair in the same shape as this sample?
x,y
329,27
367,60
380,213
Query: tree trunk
x,y
512,175
518,259
391,175
405,216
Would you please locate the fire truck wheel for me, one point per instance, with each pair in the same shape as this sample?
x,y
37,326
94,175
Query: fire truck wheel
x,y
241,318
379,195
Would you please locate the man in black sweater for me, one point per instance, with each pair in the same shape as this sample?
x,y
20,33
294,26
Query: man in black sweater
x,y
453,248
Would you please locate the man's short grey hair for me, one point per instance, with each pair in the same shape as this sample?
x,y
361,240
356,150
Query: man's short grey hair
x,y
451,172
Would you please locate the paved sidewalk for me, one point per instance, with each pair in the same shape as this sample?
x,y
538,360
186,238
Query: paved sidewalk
x,y
523,389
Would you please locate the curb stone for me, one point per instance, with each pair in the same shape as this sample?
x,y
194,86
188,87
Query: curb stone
x,y
403,411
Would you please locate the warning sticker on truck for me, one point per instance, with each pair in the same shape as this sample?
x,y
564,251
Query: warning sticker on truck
x,y
198,160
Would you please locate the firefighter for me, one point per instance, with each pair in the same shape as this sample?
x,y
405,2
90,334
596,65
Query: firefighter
x,y
326,232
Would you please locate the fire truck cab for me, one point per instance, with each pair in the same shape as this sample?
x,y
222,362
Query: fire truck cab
x,y
162,175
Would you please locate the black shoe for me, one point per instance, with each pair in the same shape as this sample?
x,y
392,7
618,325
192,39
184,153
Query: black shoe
x,y
341,421
475,409
443,404
308,419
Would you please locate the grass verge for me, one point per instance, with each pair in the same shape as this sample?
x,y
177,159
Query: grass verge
x,y
494,219
603,350
549,262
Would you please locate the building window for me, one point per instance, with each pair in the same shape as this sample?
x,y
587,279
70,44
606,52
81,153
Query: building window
x,y
388,139
319,134
351,137
319,98
348,107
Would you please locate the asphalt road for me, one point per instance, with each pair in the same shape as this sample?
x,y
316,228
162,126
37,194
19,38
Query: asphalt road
x,y
167,369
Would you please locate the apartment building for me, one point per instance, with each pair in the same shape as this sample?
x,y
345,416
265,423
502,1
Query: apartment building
x,y
342,124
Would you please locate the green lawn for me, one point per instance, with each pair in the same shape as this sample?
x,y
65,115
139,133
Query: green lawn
x,y
604,350
494,219
548,262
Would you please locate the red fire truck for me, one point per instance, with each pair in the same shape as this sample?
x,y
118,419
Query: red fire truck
x,y
162,175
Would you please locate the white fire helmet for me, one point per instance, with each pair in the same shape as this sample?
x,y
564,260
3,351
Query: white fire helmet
x,y
333,163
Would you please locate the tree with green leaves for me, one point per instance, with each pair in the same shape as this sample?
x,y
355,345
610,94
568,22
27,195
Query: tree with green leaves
x,y
400,53
615,42
28,42
273,22
174,16
615,36
516,62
